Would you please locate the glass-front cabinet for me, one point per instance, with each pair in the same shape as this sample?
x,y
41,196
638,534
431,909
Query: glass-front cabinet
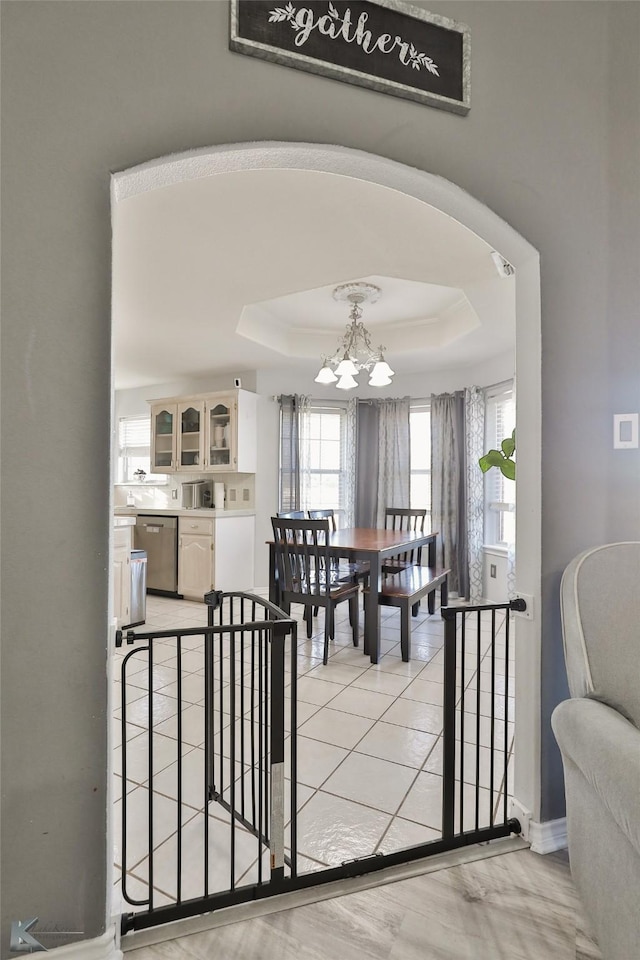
x,y
163,437
220,444
205,433
191,436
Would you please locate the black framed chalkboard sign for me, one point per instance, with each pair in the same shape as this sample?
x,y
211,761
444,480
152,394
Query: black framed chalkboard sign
x,y
389,46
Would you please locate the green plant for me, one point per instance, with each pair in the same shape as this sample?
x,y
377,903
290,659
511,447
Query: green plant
x,y
503,458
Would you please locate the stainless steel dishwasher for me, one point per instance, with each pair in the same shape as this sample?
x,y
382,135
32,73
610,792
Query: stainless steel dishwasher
x,y
158,535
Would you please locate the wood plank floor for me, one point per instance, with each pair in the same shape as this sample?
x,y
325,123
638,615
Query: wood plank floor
x,y
515,906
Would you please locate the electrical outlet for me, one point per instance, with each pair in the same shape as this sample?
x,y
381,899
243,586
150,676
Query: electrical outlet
x,y
231,494
493,571
174,494
245,493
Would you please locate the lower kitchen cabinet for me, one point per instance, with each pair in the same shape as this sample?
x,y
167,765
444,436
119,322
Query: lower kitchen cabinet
x,y
195,557
215,554
121,574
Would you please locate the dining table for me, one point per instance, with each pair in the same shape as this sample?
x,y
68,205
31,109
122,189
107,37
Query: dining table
x,y
374,546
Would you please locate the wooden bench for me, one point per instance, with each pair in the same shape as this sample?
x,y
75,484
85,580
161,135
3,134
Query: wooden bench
x,y
406,589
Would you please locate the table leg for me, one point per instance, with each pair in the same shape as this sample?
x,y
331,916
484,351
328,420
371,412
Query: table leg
x,y
372,611
274,592
431,558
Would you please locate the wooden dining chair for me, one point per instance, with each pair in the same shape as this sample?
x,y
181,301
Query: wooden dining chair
x,y
305,571
356,571
410,520
327,514
291,515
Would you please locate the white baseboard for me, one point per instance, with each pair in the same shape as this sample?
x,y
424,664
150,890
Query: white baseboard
x,y
544,837
549,836
99,948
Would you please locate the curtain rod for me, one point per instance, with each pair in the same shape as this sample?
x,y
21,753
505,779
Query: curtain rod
x,y
489,386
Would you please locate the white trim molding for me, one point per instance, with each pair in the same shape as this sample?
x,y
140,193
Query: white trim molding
x,y
99,948
549,836
451,200
542,837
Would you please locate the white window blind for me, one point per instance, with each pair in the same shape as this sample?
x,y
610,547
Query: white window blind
x,y
420,446
134,436
324,478
134,450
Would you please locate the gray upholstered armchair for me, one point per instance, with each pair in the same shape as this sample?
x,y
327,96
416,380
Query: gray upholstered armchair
x,y
598,731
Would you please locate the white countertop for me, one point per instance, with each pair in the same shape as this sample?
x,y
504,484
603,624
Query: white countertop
x,y
119,521
132,512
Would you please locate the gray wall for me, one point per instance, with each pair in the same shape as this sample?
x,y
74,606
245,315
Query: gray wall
x,y
550,144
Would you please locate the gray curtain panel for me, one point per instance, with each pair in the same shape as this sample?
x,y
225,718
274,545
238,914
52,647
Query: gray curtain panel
x,y
448,487
394,464
366,506
289,452
383,462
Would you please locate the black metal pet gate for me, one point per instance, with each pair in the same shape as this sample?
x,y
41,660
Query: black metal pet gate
x,y
209,798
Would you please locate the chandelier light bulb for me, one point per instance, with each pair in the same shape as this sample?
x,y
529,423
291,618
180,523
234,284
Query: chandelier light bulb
x,y
346,367
382,369
326,375
379,380
346,382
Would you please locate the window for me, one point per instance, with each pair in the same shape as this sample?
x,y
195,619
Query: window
x,y
134,449
499,492
327,450
324,479
420,447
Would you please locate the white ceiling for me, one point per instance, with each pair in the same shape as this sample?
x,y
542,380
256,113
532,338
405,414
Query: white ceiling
x,y
236,272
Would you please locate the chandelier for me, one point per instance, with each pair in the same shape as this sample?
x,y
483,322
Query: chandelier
x,y
355,352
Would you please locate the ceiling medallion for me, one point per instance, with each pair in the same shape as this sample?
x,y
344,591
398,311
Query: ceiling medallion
x,y
355,352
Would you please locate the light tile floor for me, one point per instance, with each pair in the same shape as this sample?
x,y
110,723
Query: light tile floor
x,y
369,773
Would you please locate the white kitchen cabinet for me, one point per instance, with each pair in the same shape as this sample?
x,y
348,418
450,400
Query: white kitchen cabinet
x,y
195,557
205,433
190,445
222,434
215,554
164,430
121,574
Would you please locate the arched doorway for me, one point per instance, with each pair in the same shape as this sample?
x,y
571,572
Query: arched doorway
x,y
459,206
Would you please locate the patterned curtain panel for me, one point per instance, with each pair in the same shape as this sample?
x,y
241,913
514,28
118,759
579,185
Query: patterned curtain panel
x,y
474,403
448,494
511,545
349,470
293,423
394,466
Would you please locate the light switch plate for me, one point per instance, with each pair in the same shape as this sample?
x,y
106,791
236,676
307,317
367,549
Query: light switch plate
x,y
625,431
